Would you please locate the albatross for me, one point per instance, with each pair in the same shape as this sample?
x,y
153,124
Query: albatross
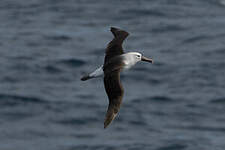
x,y
115,61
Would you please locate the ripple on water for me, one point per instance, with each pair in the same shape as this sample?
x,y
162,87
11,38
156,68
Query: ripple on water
x,y
197,39
72,62
218,101
10,100
161,99
173,147
201,128
58,37
76,121
144,12
167,28
138,123
53,69
156,99
17,107
222,2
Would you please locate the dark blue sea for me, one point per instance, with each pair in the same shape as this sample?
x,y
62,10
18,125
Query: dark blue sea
x,y
178,103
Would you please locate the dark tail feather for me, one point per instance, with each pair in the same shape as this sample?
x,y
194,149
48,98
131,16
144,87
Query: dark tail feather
x,y
86,77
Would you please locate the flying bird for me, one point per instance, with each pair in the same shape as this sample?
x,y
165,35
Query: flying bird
x,y
115,61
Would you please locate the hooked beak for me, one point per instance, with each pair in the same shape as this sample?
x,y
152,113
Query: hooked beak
x,y
146,59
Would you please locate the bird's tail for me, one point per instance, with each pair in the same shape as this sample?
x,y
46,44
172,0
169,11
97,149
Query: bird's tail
x,y
86,77
97,73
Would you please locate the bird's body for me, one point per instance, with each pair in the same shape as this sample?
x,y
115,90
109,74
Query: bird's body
x,y
115,61
127,62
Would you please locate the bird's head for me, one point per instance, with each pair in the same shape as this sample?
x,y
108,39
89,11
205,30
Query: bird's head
x,y
139,57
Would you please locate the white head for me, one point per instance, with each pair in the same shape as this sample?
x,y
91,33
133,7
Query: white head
x,y
136,57
132,58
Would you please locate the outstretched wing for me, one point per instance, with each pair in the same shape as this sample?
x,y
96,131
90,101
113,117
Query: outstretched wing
x,y
115,91
114,47
112,67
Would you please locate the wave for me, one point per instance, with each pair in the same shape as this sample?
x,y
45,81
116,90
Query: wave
x,y
76,121
161,99
196,39
218,101
201,128
52,69
58,37
173,147
167,28
157,99
222,2
148,12
72,62
6,99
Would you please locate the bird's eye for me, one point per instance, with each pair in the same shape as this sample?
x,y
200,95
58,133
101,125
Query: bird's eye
x,y
138,56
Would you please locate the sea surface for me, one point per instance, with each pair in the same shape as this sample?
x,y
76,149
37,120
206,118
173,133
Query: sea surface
x,y
178,103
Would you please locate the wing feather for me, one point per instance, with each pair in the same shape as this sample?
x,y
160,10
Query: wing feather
x,y
114,90
112,67
114,48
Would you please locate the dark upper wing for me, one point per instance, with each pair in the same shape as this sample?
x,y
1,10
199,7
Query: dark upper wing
x,y
115,92
114,47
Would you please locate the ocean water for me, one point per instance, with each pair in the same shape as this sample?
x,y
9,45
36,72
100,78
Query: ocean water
x,y
178,103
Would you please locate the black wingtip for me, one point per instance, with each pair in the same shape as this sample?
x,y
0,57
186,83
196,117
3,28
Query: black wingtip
x,y
106,124
105,127
119,33
113,30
